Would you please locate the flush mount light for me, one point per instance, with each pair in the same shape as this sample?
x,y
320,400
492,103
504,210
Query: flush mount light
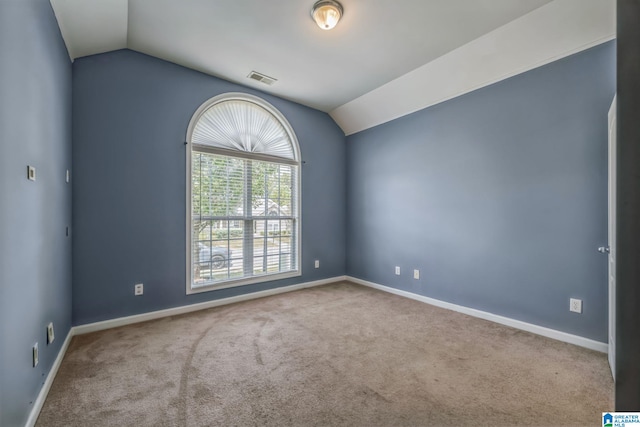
x,y
326,13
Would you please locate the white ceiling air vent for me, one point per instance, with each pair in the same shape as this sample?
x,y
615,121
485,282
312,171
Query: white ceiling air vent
x,y
254,75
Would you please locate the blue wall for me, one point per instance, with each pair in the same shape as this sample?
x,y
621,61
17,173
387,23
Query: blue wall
x,y
498,197
131,113
35,254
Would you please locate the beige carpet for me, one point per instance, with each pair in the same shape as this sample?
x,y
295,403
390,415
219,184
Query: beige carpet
x,y
336,355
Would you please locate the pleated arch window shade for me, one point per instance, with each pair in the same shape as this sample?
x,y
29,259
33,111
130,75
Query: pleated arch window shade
x,y
243,195
244,126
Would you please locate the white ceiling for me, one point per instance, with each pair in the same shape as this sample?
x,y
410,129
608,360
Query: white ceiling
x,y
375,43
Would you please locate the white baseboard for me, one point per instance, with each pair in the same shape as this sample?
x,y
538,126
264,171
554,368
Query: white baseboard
x,y
113,323
529,327
44,391
122,321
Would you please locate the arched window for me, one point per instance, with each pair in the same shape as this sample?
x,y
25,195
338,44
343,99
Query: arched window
x,y
243,210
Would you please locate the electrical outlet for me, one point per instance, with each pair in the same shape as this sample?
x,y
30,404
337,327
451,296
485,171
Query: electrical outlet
x,y
416,274
138,289
317,263
31,173
50,335
35,355
575,305
397,270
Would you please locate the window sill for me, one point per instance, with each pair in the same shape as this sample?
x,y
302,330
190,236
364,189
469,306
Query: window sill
x,y
241,282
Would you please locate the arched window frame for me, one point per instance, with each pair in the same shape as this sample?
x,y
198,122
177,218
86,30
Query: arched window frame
x,y
296,161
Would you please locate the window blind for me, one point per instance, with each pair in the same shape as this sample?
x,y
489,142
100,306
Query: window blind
x,y
242,126
244,218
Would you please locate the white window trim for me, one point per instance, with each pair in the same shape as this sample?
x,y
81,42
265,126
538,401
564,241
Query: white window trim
x,y
298,161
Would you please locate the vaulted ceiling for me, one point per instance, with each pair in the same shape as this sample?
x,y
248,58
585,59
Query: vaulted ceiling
x,y
383,60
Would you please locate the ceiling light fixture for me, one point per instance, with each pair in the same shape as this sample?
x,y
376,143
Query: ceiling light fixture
x,y
326,13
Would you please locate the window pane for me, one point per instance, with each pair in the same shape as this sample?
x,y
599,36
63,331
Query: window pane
x,y
285,178
259,266
217,185
286,227
273,263
287,262
216,251
273,185
259,246
259,188
273,246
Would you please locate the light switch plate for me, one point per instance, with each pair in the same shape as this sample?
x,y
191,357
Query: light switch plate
x,y
50,334
31,173
35,355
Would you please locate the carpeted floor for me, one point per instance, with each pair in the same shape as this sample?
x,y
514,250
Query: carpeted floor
x,y
336,355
